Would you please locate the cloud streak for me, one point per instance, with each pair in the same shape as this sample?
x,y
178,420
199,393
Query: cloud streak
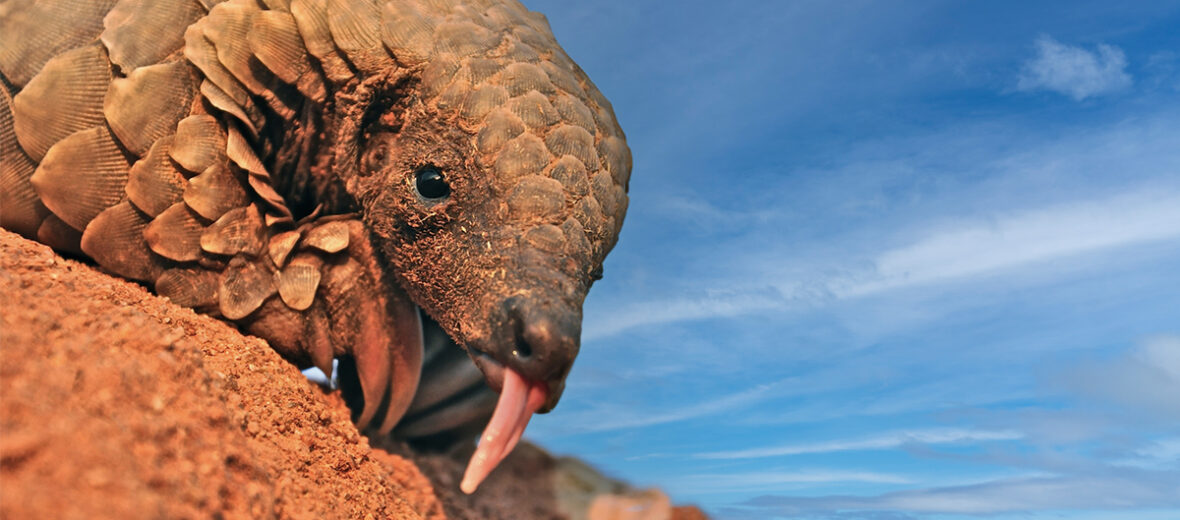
x,y
767,480
1147,378
1074,71
1016,240
972,248
1129,489
600,419
880,442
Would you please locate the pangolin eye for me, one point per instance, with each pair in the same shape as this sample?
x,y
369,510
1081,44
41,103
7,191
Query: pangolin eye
x,y
430,183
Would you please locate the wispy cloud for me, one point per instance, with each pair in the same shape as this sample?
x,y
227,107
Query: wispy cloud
x,y
767,480
1019,239
713,305
1146,378
1074,71
971,247
1129,489
880,442
599,419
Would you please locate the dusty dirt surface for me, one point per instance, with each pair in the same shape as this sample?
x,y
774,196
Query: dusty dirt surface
x,y
115,403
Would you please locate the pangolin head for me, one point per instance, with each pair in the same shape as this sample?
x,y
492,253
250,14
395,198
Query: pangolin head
x,y
494,175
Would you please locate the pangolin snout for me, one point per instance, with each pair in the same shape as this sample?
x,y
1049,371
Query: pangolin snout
x,y
539,340
544,339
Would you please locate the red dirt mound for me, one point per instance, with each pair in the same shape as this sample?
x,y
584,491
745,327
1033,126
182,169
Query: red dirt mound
x,y
115,403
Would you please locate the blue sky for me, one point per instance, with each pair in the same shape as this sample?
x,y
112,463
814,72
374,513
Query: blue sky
x,y
887,260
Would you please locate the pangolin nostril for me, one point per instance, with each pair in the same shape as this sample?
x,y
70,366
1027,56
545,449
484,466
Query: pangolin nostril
x,y
540,338
522,350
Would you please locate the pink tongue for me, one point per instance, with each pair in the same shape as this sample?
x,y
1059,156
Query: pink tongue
x,y
519,400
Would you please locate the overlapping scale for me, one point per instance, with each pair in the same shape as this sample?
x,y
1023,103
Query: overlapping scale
x,y
478,70
521,156
577,245
21,209
148,103
154,183
603,187
82,175
407,33
563,79
201,52
311,17
437,75
575,112
33,33
239,151
199,143
536,197
499,127
215,191
519,78
222,101
143,32
356,29
299,279
275,41
618,159
280,246
572,175
65,97
330,237
463,38
483,100
573,141
176,233
534,109
190,286
546,237
239,230
244,286
226,28
115,240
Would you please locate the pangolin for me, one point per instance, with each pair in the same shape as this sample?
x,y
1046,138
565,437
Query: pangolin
x,y
317,171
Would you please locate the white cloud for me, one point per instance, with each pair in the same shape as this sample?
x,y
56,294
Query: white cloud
x,y
623,416
685,309
970,248
768,480
1148,378
881,442
1024,238
1164,449
1131,489
1074,71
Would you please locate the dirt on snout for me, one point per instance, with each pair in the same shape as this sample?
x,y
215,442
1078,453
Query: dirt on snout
x,y
115,403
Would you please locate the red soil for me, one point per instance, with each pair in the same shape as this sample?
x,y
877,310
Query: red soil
x,y
115,403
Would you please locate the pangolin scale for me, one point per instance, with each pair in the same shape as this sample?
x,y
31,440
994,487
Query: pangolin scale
x,y
317,171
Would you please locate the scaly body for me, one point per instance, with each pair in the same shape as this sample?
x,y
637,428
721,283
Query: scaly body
x,y
318,170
